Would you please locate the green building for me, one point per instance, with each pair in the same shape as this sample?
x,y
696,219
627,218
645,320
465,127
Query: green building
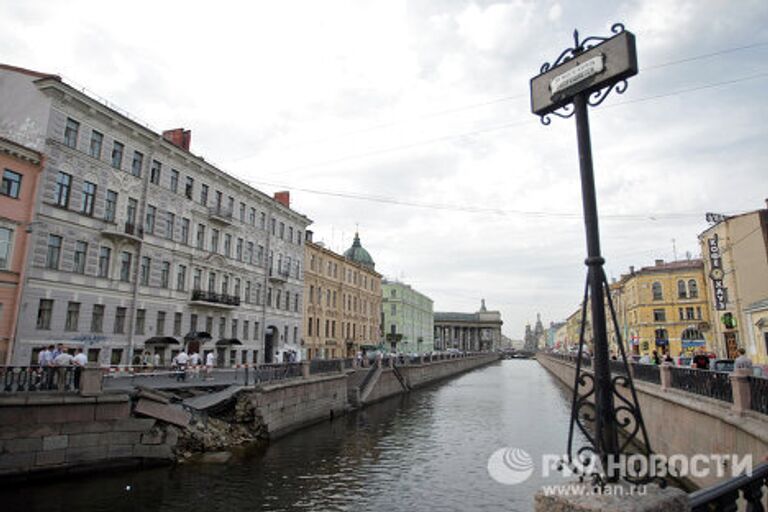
x,y
408,319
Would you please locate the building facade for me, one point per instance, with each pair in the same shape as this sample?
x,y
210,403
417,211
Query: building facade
x,y
21,168
408,318
735,253
139,245
342,301
479,331
662,307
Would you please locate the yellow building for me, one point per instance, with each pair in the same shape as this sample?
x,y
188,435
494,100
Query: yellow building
x,y
342,301
735,253
663,307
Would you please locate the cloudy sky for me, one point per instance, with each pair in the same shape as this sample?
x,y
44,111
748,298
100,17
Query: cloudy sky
x,y
411,120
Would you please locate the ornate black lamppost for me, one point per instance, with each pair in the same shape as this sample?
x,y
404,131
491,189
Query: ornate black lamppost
x,y
584,75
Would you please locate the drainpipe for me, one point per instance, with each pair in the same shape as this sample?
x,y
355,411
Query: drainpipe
x,y
139,252
265,282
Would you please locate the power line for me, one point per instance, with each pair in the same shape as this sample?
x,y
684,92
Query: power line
x,y
472,106
503,126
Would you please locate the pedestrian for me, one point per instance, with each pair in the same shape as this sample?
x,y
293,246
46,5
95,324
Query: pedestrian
x,y
45,361
668,359
58,350
80,361
63,358
180,361
209,365
157,359
656,359
743,362
701,361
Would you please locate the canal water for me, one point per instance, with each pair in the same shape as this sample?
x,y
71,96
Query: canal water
x,y
420,452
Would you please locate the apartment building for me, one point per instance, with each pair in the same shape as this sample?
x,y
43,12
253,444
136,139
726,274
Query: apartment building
x,y
138,245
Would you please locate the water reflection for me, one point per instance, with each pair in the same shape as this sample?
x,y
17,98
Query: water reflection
x,y
424,451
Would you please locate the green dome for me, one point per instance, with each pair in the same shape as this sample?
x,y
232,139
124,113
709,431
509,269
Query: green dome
x,y
359,255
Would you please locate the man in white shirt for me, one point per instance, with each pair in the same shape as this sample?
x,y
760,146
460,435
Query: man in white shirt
x,y
80,361
209,365
181,360
64,358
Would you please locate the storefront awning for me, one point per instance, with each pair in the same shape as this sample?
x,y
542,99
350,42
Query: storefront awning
x,y
228,341
162,340
693,343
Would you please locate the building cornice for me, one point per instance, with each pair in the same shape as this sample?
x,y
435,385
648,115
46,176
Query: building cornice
x,y
23,153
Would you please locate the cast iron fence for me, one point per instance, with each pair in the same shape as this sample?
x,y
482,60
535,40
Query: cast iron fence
x,y
647,373
324,366
16,379
725,496
707,383
758,388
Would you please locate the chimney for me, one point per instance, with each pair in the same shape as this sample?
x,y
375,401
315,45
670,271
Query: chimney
x,y
308,234
284,198
766,202
659,263
631,269
178,137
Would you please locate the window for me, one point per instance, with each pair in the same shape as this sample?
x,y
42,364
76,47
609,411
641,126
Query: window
x,y
252,217
273,226
247,297
73,316
681,290
237,287
209,324
105,254
263,220
690,314
54,251
117,154
260,256
290,234
170,221
154,172
249,253
225,284
227,245
11,184
6,235
160,324
44,313
125,266
120,313
258,293
282,230
88,199
234,327
174,181
201,236
691,334
693,289
204,194
309,327
110,207
97,318
189,187
393,309
149,224
239,250
133,206
146,263
681,313
138,162
193,322
165,274
214,240
246,329
197,279
655,288
181,278
222,327
116,356
62,189
177,318
97,140
242,212
218,199
185,231
70,133
659,315
212,282
141,320
81,250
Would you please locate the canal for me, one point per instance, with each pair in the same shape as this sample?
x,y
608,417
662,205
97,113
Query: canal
x,y
425,451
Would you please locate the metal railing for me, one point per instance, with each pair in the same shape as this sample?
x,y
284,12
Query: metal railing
x,y
758,389
647,373
617,367
21,379
349,363
324,366
273,372
726,495
216,298
707,383
220,211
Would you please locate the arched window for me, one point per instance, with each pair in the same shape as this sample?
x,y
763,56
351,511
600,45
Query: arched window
x,y
657,293
681,290
693,289
691,334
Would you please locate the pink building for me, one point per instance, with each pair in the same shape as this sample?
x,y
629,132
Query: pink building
x,y
20,168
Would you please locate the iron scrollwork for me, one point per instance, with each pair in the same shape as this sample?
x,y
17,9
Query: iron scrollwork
x,y
579,47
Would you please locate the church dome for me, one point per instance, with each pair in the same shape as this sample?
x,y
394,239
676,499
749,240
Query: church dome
x,y
357,254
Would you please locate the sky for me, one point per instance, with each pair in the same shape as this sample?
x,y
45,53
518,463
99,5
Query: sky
x,y
411,122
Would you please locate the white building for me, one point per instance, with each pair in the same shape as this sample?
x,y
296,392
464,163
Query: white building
x,y
140,245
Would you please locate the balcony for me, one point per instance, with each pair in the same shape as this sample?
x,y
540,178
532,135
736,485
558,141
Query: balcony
x,y
213,299
129,231
279,275
220,214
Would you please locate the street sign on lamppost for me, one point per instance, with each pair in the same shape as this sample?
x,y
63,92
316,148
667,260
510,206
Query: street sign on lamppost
x,y
584,75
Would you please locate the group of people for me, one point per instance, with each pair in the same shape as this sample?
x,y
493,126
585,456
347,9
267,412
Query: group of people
x,y
183,360
53,361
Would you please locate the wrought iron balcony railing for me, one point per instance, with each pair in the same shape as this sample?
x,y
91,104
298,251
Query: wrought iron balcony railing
x,y
215,298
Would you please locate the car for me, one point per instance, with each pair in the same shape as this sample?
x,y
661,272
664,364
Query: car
x,y
723,365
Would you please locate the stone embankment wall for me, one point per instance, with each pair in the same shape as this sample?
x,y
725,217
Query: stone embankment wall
x,y
422,374
67,433
688,424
